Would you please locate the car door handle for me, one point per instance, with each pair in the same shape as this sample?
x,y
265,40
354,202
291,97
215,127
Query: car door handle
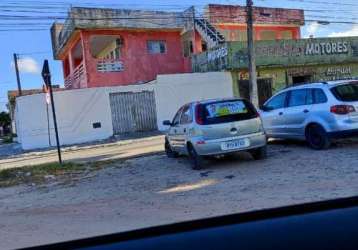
x,y
281,113
306,111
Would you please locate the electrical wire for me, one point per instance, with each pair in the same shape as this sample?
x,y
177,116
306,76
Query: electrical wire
x,y
10,22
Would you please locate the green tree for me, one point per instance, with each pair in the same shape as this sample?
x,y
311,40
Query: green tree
x,y
5,119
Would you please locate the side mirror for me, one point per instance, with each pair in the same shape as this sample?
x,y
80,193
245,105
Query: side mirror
x,y
167,123
266,108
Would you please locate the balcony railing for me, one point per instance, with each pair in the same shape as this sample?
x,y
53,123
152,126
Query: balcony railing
x,y
76,78
109,66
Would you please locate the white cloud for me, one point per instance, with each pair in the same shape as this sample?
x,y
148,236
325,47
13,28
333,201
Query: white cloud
x,y
312,28
27,65
352,32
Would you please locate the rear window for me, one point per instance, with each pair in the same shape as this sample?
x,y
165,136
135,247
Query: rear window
x,y
227,111
346,92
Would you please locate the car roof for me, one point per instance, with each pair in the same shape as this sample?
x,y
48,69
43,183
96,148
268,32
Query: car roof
x,y
218,100
323,84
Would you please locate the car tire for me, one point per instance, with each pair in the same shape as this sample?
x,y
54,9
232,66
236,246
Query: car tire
x,y
259,153
169,151
196,160
317,137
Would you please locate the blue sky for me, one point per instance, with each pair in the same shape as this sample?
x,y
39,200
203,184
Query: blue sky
x,y
35,46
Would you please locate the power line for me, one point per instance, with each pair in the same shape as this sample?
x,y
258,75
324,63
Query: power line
x,y
325,2
15,25
6,30
34,53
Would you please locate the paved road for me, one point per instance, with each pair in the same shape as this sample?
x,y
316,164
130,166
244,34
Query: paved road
x,y
154,190
110,151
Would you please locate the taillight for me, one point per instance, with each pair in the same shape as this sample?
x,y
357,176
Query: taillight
x,y
198,114
342,109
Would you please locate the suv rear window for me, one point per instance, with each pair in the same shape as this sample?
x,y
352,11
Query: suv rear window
x,y
227,111
346,92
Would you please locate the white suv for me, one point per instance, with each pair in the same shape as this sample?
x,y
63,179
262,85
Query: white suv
x,y
316,112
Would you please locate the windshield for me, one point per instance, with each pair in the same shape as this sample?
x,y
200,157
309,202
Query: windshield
x,y
227,111
346,92
118,115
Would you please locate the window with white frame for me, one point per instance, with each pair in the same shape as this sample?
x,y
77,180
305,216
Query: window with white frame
x,y
156,47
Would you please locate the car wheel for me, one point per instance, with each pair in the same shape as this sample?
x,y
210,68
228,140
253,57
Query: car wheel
x,y
317,137
259,153
196,160
169,151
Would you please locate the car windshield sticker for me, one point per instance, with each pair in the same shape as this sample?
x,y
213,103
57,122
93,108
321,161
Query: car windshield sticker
x,y
225,109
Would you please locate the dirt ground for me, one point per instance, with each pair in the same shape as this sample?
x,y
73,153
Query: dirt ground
x,y
122,149
153,190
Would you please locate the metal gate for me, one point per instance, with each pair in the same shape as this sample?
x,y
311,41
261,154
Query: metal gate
x,y
133,111
264,88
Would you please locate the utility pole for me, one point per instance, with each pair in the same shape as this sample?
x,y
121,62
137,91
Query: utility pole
x,y
251,53
17,74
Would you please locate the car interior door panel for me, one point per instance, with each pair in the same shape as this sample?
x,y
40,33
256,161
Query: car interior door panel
x,y
328,225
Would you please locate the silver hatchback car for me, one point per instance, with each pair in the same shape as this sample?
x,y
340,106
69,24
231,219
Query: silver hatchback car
x,y
315,112
215,127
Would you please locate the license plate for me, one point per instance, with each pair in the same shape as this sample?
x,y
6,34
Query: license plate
x,y
243,143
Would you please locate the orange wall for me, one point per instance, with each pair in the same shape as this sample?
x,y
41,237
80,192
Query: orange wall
x,y
278,29
218,13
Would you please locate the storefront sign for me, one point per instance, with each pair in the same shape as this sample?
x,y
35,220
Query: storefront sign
x,y
338,71
304,49
216,54
281,53
327,48
211,60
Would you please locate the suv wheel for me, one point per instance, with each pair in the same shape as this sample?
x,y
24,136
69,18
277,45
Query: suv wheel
x,y
317,137
168,150
196,160
259,153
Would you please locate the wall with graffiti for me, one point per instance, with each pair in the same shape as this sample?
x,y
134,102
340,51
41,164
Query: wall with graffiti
x,y
279,53
282,77
285,62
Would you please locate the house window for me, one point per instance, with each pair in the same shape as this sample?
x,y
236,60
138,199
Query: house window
x,y
156,47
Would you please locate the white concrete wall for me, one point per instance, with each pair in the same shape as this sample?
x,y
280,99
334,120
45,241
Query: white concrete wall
x,y
173,91
77,110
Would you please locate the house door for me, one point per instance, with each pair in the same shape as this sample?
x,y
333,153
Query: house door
x,y
301,79
264,88
133,111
